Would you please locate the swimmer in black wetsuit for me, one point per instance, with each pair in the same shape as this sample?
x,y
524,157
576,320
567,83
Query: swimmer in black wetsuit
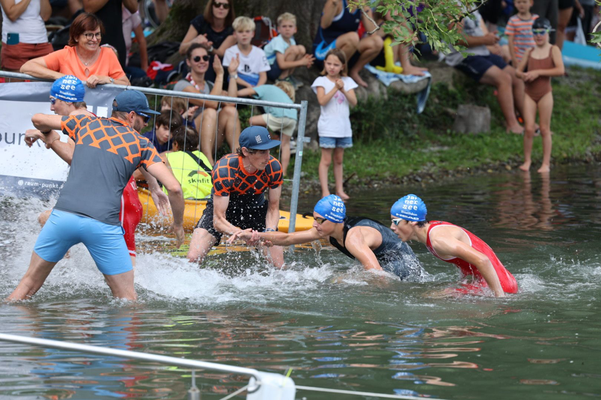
x,y
371,243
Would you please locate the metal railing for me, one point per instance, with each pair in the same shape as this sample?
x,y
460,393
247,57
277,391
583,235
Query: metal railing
x,y
232,100
272,384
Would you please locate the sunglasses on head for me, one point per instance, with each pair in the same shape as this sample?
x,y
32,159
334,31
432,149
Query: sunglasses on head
x,y
539,32
397,221
203,58
225,6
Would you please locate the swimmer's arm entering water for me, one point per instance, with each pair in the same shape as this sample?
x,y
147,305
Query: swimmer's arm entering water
x,y
277,238
451,247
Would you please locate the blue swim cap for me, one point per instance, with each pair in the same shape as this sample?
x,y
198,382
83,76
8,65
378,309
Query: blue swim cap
x,y
410,208
68,88
332,208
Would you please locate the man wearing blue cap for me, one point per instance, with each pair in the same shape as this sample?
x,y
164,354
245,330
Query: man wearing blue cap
x,y
107,151
364,239
67,98
238,196
452,244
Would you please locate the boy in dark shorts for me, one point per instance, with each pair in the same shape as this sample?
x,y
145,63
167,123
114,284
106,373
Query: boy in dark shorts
x,y
238,197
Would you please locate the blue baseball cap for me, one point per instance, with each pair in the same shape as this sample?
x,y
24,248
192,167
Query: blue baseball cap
x,y
410,208
257,138
68,88
133,100
332,208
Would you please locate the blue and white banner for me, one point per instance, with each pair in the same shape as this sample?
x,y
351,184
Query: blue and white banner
x,y
35,171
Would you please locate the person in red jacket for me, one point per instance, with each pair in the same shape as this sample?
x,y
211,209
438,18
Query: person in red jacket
x,y
452,244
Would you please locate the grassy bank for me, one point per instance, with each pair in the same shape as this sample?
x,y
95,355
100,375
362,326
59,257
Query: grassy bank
x,y
394,144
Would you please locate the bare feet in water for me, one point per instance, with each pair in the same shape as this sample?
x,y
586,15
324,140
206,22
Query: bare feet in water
x,y
343,196
544,169
357,79
525,166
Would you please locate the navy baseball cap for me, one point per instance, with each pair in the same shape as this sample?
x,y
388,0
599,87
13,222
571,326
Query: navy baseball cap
x,y
133,100
410,208
257,138
69,89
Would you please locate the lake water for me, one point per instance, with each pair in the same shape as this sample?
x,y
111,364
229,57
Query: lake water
x,y
334,324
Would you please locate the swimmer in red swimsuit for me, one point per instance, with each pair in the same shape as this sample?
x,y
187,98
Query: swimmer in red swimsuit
x,y
452,244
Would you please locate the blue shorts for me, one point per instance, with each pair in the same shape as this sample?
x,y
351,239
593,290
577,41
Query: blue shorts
x,y
322,49
476,66
327,142
104,242
275,71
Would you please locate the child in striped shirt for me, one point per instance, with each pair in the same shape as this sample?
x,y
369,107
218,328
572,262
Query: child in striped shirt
x,y
519,31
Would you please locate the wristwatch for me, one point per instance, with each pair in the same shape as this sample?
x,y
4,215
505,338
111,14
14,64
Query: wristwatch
x,y
111,79
234,76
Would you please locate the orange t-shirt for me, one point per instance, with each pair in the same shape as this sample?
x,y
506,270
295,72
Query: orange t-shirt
x,y
67,62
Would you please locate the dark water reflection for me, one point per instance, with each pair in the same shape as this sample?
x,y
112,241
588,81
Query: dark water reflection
x,y
335,325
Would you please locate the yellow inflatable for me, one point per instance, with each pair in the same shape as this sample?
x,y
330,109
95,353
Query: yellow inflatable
x,y
389,58
194,210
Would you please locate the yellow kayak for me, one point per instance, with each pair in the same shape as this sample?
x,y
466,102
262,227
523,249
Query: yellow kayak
x,y
194,209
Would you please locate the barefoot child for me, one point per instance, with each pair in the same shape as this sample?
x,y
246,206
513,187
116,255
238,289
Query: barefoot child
x,y
335,94
543,61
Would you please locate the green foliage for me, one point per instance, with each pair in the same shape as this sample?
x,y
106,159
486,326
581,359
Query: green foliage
x,y
391,141
438,20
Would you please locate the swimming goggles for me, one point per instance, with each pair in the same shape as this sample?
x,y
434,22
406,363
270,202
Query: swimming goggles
x,y
319,220
397,221
540,32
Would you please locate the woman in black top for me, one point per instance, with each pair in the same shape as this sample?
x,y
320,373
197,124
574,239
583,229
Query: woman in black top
x,y
213,30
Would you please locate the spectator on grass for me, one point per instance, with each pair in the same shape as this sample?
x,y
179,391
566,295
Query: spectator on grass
x,y
338,29
284,55
216,123
24,35
489,69
213,30
83,57
180,105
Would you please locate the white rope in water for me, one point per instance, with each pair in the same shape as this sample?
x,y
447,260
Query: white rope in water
x,y
353,393
237,392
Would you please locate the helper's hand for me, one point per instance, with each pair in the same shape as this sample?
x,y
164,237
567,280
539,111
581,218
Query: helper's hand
x,y
179,234
245,235
161,201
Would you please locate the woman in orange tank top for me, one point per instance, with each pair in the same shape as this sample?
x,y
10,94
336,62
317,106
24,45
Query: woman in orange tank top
x,y
543,61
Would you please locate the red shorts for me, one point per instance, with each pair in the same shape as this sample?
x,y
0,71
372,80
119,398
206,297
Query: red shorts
x,y
131,214
15,55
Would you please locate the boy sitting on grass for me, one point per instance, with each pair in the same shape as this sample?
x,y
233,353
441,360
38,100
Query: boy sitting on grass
x,y
276,119
284,55
253,67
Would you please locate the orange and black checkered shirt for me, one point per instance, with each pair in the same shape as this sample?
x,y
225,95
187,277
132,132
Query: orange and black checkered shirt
x,y
230,177
107,152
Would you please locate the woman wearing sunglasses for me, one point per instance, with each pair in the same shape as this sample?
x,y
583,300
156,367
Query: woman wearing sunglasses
x,y
363,239
213,30
215,121
83,57
454,245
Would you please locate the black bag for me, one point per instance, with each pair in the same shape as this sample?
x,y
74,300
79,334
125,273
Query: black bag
x,y
158,52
